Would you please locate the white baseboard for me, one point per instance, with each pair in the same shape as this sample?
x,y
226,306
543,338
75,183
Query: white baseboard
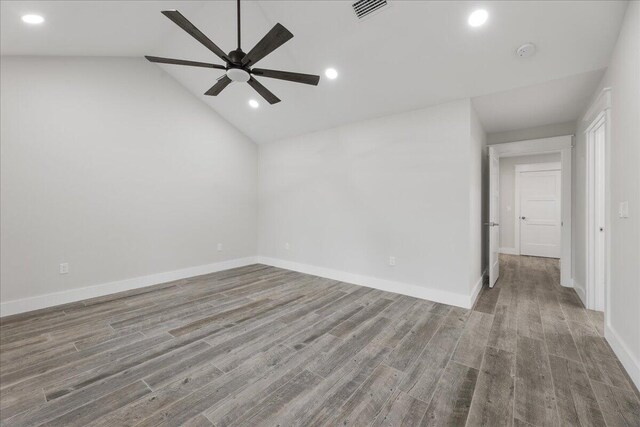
x,y
23,305
627,358
580,291
8,308
477,288
445,297
509,251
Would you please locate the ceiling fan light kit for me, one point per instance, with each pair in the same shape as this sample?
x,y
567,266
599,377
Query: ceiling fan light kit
x,y
238,75
239,65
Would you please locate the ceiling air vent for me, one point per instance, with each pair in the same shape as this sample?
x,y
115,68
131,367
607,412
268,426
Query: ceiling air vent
x,y
364,8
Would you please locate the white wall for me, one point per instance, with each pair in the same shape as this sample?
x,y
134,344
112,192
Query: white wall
x,y
477,232
623,77
546,131
110,165
348,198
507,194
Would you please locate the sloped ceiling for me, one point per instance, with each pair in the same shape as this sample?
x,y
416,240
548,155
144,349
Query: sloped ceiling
x,y
411,55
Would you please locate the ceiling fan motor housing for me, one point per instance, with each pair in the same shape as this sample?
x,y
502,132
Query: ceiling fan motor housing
x,y
236,56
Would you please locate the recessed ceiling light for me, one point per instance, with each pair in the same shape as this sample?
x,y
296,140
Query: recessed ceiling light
x,y
478,17
32,19
331,73
253,103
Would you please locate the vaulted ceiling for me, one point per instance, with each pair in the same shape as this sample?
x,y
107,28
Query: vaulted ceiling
x,y
412,54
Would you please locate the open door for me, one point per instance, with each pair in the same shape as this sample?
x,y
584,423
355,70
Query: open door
x,y
494,213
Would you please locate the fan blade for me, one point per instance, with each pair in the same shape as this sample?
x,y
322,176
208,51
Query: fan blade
x,y
183,62
308,79
263,91
217,88
275,38
184,23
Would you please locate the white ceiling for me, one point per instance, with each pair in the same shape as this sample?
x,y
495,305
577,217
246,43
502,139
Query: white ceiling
x,y
411,55
557,101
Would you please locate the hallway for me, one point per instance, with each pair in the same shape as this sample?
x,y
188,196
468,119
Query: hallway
x,y
565,372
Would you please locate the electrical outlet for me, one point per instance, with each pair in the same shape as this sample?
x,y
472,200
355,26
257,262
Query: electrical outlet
x,y
392,260
219,247
64,268
287,246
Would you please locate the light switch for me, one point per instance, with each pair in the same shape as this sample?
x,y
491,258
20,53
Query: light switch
x,y
623,210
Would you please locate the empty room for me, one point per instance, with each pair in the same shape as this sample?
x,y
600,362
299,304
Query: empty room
x,y
320,213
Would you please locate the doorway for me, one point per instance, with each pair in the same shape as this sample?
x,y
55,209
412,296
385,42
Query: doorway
x,y
546,203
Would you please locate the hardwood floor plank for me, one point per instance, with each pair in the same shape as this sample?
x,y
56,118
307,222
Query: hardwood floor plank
x,y
14,397
452,399
614,400
487,300
402,322
364,405
414,342
212,394
535,401
276,404
471,345
503,330
597,356
559,339
309,335
423,376
577,404
135,412
336,358
549,306
343,302
162,357
492,403
50,364
335,389
112,401
529,322
198,421
233,409
401,410
346,328
312,306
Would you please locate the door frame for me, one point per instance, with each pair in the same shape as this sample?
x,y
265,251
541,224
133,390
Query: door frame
x,y
593,169
530,167
564,146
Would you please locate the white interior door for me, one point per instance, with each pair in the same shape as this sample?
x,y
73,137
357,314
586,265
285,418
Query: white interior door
x,y
494,216
540,213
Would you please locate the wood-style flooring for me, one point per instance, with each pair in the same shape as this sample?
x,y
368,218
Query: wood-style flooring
x,y
263,346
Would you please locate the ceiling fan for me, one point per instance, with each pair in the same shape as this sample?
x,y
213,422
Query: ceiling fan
x,y
239,64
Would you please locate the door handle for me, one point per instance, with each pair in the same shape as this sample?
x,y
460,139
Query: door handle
x,y
491,224
523,217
